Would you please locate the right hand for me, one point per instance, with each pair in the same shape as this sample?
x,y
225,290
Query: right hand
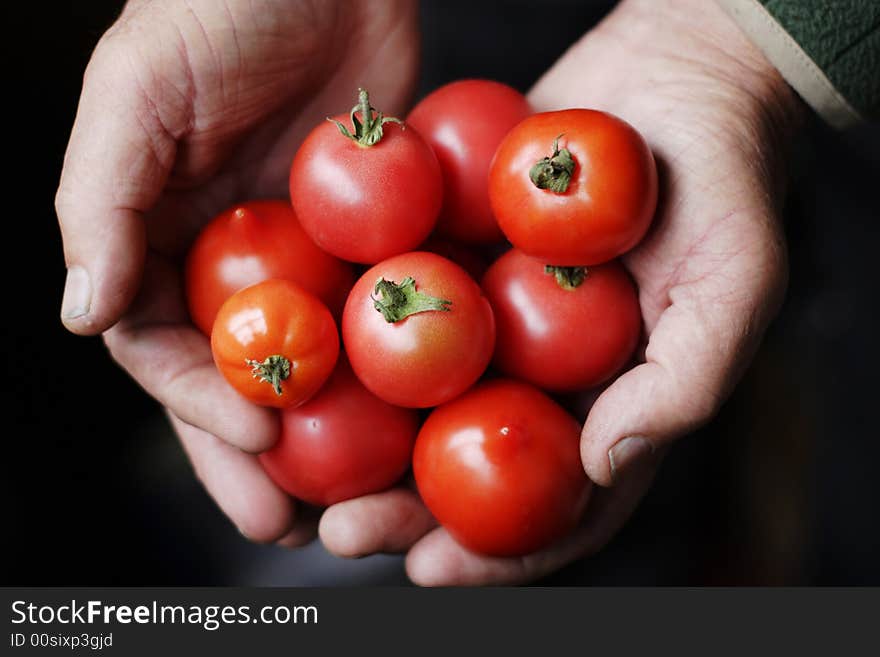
x,y
186,108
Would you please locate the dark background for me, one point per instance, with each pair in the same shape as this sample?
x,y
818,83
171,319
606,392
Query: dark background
x,y
780,488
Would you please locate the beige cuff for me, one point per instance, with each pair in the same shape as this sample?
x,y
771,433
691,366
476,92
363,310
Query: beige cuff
x,y
792,62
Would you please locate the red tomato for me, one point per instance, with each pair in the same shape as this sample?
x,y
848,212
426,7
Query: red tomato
x,y
464,122
343,443
500,469
580,201
275,343
562,337
249,243
417,330
369,195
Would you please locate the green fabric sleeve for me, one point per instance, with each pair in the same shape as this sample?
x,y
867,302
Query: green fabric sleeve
x,y
843,39
827,50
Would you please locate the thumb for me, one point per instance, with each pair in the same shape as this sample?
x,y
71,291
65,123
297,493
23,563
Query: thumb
x,y
116,164
697,351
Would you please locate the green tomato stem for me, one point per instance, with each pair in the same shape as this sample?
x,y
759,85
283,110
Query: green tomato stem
x,y
397,301
273,370
568,278
369,129
553,173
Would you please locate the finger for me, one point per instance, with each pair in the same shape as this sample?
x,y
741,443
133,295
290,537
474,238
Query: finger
x,y
438,560
260,510
391,521
722,299
116,164
172,360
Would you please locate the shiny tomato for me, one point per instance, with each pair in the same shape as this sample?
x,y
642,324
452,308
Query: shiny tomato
x,y
275,343
562,328
417,329
251,242
500,469
367,194
343,443
464,122
573,187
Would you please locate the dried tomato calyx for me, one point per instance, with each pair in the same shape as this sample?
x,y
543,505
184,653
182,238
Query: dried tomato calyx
x,y
554,172
568,278
272,370
368,130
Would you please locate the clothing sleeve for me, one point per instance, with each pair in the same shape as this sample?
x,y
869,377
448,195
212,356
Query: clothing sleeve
x,y
827,50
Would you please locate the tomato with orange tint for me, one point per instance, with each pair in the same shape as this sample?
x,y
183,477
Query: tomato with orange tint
x,y
275,343
573,187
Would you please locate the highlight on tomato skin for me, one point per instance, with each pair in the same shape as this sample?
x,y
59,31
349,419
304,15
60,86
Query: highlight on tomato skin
x,y
464,122
564,329
573,187
500,468
343,443
251,242
275,343
417,330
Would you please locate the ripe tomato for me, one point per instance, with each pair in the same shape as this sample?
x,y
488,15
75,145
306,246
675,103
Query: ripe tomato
x,y
464,122
275,343
369,195
417,330
249,243
500,469
343,443
574,187
566,329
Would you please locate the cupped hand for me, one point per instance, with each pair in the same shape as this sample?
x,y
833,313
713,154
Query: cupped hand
x,y
186,108
711,272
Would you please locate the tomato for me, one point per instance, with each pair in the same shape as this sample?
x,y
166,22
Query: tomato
x,y
574,187
343,443
566,329
500,469
249,243
417,330
464,122
367,195
275,343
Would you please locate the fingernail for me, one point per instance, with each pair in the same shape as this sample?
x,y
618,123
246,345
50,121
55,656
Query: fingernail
x,y
77,293
627,453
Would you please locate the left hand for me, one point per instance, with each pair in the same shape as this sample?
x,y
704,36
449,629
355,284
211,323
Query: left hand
x,y
711,273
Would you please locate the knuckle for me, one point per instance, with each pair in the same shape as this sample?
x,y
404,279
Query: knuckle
x,y
63,200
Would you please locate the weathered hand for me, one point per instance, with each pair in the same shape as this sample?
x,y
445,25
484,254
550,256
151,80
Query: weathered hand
x,y
187,107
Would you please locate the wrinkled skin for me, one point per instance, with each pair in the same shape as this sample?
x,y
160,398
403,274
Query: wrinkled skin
x,y
153,155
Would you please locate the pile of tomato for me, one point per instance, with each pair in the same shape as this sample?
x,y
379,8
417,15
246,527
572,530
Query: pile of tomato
x,y
371,296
